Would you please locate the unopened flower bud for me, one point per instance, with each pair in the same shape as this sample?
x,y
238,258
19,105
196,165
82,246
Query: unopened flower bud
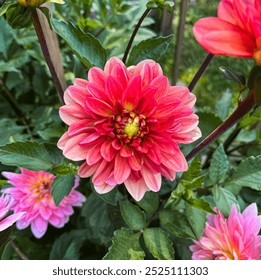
x,y
36,3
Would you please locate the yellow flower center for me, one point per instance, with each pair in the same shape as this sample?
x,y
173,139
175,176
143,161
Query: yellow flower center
x,y
131,129
129,126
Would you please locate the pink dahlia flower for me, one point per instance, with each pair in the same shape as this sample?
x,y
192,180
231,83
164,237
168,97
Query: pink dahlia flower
x,y
126,124
236,31
6,202
235,238
32,193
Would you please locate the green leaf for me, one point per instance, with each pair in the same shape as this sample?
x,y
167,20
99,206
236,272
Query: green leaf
x,y
197,220
61,187
248,174
218,165
233,75
112,197
86,47
30,155
6,37
125,246
150,202
223,199
68,245
193,171
208,122
158,243
177,223
5,7
98,220
132,215
152,48
199,203
223,105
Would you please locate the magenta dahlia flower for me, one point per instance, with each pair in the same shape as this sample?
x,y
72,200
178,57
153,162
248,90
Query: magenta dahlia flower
x,y
235,238
6,202
236,31
126,124
31,192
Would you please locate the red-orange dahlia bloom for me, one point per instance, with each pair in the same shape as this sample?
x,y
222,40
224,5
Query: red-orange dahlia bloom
x,y
126,124
236,31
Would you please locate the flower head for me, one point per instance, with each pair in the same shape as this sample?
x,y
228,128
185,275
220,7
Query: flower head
x,y
32,193
126,124
236,31
235,238
6,202
36,3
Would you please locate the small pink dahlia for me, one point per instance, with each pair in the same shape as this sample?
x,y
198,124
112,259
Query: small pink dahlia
x,y
235,238
6,202
126,124
32,194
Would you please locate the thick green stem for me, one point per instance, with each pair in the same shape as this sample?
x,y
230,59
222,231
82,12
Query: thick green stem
x,y
46,53
134,34
200,72
243,108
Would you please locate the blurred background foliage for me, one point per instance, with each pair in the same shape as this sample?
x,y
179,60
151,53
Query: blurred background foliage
x,y
29,110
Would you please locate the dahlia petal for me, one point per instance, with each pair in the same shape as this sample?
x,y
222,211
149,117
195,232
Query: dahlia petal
x,y
80,82
8,221
131,95
89,138
81,126
99,107
177,163
39,227
93,155
86,171
162,85
76,94
73,150
45,212
120,72
57,221
71,113
97,91
136,189
243,45
104,188
126,151
121,169
114,89
107,151
226,12
215,36
135,162
23,223
102,173
97,76
152,180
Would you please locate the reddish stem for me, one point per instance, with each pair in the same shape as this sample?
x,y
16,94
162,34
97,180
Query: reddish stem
x,y
243,108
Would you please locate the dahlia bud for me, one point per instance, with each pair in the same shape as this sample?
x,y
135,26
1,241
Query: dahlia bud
x,y
36,3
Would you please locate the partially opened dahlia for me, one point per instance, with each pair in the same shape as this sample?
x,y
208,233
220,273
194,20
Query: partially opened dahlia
x,y
6,202
126,124
31,192
236,31
235,238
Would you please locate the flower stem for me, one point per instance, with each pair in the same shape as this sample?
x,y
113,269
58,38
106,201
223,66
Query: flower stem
x,y
134,34
46,53
18,251
243,108
201,71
